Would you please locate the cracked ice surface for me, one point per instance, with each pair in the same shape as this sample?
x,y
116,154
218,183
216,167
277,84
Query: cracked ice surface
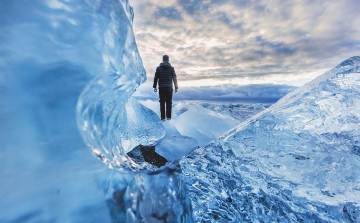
x,y
297,161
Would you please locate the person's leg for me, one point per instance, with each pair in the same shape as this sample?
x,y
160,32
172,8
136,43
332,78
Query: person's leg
x,y
169,102
162,96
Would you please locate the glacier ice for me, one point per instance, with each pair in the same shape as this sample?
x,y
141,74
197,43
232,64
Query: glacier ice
x,y
49,52
110,122
204,121
112,125
71,66
297,161
158,197
170,128
240,112
175,146
203,124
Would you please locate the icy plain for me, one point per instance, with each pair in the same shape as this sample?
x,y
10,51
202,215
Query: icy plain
x,y
68,70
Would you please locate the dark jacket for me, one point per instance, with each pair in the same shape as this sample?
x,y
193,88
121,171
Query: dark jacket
x,y
165,74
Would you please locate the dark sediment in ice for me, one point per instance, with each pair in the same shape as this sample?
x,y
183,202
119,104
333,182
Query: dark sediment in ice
x,y
147,154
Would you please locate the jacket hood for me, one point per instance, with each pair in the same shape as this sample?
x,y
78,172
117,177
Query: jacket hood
x,y
165,65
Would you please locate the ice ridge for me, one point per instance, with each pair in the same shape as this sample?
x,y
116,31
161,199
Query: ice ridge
x,y
298,161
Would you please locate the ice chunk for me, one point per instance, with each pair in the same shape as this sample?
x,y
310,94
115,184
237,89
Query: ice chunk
x,y
174,147
240,112
296,161
203,124
153,105
110,123
50,50
222,118
180,108
170,128
110,126
158,197
143,125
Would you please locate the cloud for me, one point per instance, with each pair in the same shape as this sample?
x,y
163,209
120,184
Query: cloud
x,y
232,39
169,13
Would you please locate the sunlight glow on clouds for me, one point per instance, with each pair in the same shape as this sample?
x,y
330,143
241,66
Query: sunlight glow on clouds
x,y
246,42
284,79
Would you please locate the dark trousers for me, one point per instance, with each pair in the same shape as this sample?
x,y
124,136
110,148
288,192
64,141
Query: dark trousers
x,y
165,95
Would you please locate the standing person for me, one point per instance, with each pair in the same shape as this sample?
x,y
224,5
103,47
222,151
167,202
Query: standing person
x,y
166,75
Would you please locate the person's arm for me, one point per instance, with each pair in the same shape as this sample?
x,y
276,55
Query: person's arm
x,y
156,78
173,74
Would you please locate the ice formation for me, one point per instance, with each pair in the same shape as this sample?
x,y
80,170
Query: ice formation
x,y
110,123
240,112
158,197
203,124
205,121
49,53
298,161
175,146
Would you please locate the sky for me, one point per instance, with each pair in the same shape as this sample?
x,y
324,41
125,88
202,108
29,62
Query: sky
x,y
244,50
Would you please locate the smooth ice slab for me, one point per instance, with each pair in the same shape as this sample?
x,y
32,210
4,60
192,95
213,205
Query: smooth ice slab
x,y
203,124
174,147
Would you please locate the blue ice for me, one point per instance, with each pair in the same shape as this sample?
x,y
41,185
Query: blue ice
x,y
68,70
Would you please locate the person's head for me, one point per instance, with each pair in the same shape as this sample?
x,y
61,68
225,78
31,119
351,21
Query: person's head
x,y
166,58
